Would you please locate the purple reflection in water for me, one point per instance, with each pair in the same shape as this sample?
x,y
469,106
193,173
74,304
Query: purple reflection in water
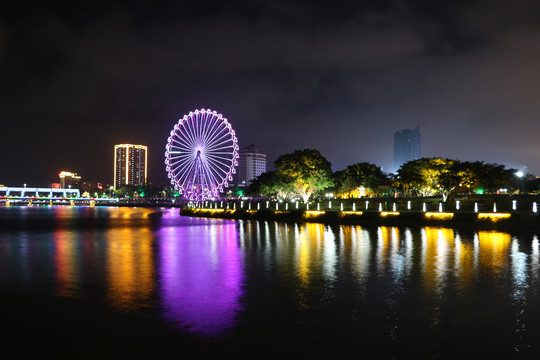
x,y
201,277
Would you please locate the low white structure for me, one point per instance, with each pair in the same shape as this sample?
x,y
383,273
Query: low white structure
x,y
29,192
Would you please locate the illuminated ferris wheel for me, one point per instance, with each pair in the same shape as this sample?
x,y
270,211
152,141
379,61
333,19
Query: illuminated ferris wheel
x,y
201,155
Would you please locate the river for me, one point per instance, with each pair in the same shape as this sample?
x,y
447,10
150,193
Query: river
x,y
82,282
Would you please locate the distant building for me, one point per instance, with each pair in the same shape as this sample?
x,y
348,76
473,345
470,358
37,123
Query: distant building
x,y
406,146
130,165
69,180
91,185
251,163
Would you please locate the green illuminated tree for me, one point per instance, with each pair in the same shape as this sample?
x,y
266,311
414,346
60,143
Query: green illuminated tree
x,y
169,191
447,177
124,191
305,171
359,178
149,190
270,184
422,175
460,177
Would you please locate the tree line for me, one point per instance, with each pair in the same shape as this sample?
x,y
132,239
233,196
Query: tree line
x,y
306,174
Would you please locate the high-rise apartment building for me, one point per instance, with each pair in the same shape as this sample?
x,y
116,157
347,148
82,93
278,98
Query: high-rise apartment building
x,y
251,163
69,179
406,146
130,165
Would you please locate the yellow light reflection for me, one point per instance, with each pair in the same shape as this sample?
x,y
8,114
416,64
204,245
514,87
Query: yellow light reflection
x,y
130,266
494,250
302,265
309,258
65,262
464,264
128,213
360,252
437,246
387,245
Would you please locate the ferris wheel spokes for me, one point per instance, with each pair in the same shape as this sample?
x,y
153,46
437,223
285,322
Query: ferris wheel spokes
x,y
201,154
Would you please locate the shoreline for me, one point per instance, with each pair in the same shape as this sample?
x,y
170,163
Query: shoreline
x,y
462,219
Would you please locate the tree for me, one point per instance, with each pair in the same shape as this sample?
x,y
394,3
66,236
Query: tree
x,y
124,191
423,175
461,176
493,177
430,176
305,171
528,184
270,184
170,191
467,176
149,190
359,179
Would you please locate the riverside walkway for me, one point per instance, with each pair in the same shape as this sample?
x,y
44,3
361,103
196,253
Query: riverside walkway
x,y
508,214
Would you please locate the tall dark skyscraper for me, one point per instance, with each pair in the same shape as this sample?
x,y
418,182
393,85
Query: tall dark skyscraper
x,y
406,146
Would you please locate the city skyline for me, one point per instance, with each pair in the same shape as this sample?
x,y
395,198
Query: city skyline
x,y
340,78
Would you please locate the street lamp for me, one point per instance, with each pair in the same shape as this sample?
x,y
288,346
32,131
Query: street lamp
x,y
520,174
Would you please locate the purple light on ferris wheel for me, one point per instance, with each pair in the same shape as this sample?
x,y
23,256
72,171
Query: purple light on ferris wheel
x,y
201,155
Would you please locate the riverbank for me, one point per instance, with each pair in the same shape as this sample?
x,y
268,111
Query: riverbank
x,y
477,220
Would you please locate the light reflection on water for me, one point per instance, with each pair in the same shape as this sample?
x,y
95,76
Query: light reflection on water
x,y
213,278
130,267
200,277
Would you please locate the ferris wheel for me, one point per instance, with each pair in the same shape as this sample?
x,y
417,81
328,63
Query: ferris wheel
x,y
201,155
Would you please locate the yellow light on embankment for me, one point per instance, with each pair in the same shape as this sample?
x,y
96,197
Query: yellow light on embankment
x,y
389,213
439,215
493,216
352,212
211,211
313,213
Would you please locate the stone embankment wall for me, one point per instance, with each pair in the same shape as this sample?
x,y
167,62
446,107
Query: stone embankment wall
x,y
481,220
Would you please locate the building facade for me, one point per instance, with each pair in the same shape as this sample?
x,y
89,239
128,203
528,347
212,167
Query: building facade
x,y
69,180
130,165
251,163
406,146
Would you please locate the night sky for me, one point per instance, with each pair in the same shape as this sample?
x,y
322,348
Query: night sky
x,y
340,76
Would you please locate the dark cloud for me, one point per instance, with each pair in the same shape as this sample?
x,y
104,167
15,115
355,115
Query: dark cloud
x,y
339,77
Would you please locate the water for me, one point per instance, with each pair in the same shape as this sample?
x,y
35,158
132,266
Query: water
x,y
80,282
